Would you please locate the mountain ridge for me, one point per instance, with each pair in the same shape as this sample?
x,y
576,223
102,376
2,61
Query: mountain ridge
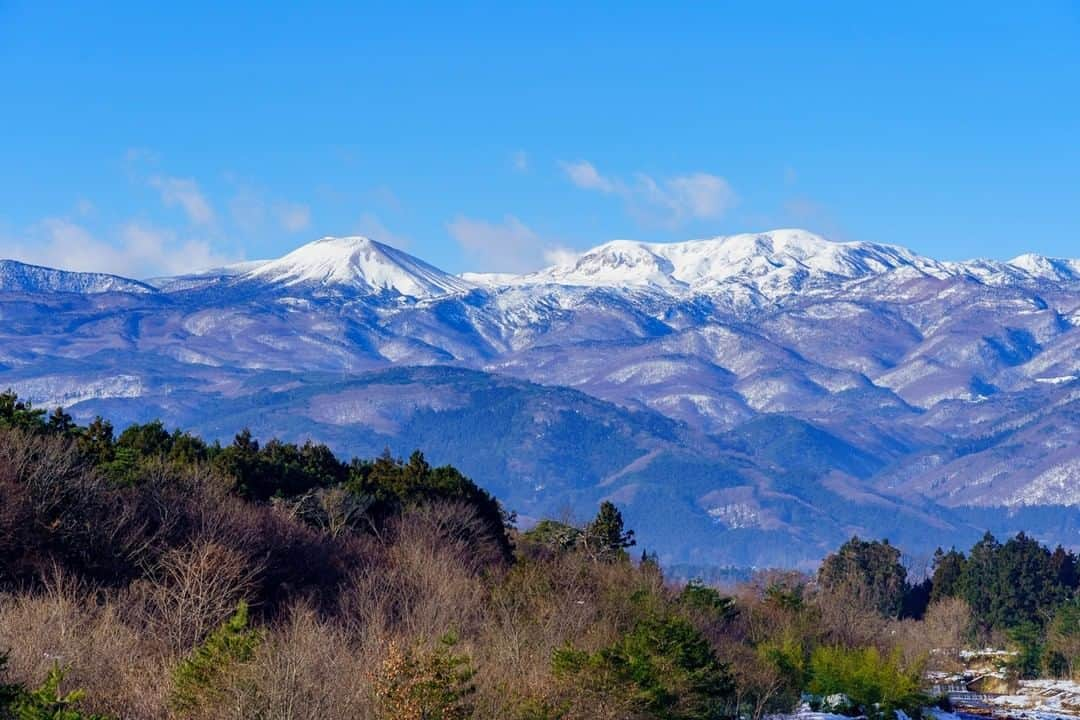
x,y
770,388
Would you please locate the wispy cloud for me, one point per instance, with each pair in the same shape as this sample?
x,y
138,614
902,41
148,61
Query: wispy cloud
x,y
136,250
294,217
585,175
507,246
671,201
185,193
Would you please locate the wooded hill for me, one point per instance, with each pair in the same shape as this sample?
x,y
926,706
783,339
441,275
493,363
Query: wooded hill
x,y
148,574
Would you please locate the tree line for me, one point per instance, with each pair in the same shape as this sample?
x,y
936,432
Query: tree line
x,y
150,574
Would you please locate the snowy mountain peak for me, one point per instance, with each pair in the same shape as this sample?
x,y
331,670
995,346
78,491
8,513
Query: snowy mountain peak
x,y
1040,266
357,263
774,263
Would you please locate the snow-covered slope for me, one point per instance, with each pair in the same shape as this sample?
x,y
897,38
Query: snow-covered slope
x,y
358,264
773,263
21,277
205,278
757,377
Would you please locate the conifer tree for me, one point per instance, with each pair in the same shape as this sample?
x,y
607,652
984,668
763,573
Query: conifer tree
x,y
605,537
199,680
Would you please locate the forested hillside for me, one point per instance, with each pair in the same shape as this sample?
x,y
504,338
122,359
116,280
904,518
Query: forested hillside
x,y
148,574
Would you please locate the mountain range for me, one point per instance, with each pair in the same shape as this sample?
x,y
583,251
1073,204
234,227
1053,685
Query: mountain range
x,y
748,400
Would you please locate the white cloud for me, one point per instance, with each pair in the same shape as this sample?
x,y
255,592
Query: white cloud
x,y
161,252
561,256
585,175
370,226
507,246
294,218
138,250
185,193
671,201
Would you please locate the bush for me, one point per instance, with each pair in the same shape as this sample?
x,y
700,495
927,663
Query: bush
x,y
876,684
199,681
415,685
664,667
46,703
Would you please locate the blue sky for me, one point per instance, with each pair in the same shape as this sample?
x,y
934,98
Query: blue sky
x,y
152,138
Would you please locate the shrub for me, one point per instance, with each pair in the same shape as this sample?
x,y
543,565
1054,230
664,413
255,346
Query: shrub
x,y
416,685
664,667
199,681
877,684
47,703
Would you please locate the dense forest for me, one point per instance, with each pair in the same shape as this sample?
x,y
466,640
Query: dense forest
x,y
149,574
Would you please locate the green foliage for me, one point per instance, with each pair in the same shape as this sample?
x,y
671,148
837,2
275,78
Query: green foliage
x,y
699,597
877,684
1015,584
605,537
199,679
96,441
394,485
664,666
553,535
278,468
1027,638
788,655
1062,651
948,570
15,413
867,571
47,702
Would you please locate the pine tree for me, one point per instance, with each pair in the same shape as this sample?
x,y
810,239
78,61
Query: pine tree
x,y
948,569
605,537
47,703
199,680
867,570
60,422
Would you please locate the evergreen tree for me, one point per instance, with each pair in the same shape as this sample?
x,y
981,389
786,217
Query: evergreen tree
x,y
1065,569
979,580
605,537
60,423
868,572
15,413
96,441
199,680
47,703
948,570
663,668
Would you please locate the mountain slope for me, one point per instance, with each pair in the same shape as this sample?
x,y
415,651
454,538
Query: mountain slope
x,y
358,264
21,277
747,399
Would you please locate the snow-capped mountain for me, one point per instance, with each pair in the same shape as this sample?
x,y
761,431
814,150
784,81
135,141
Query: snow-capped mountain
x,y
357,264
748,399
773,264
